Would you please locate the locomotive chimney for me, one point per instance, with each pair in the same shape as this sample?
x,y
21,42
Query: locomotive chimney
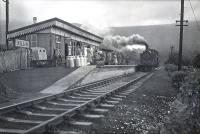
x,y
34,20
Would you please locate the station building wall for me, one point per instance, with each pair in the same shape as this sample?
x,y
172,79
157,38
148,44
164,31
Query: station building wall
x,y
44,40
54,40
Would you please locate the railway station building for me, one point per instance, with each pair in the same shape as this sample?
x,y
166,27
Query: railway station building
x,y
58,37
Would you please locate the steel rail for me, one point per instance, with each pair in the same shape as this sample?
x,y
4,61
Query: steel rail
x,y
24,104
66,115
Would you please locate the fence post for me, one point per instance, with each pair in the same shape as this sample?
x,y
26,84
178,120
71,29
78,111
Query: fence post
x,y
13,59
20,58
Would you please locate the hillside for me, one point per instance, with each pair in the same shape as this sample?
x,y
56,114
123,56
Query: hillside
x,y
161,37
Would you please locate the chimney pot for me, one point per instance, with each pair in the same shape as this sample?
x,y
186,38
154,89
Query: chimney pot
x,y
34,20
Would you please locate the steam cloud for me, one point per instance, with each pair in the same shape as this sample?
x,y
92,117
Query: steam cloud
x,y
119,43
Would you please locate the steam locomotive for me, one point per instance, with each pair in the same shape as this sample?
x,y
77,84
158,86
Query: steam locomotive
x,y
148,60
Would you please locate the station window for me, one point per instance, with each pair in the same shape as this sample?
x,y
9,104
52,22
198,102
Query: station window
x,y
58,46
58,39
58,42
33,39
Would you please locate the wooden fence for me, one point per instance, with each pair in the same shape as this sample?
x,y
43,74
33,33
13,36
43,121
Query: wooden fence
x,y
13,60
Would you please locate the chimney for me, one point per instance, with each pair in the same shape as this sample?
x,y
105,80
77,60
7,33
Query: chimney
x,y
34,20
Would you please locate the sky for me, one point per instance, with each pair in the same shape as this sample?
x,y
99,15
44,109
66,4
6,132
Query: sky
x,y
101,13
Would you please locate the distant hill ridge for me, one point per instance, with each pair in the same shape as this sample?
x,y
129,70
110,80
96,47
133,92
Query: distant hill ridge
x,y
159,37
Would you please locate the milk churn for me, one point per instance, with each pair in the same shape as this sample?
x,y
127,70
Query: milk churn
x,y
71,62
81,61
77,61
85,60
67,61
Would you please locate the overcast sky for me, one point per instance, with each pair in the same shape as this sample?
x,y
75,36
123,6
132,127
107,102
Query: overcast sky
x,y
101,13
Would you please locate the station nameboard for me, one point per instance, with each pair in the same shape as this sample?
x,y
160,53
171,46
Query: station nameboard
x,y
21,43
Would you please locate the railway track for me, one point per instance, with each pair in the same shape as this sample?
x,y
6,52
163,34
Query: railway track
x,y
67,112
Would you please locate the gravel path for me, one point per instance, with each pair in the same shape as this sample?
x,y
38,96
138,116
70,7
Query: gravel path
x,y
143,110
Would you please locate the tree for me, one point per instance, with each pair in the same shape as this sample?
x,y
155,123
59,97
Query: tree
x,y
173,59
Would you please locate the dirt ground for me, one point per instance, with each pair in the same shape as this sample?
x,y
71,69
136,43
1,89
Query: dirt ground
x,y
33,79
142,111
14,84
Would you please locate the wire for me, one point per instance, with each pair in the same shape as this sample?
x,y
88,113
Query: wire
x,y
198,26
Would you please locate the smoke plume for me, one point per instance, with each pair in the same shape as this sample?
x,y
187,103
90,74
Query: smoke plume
x,y
119,43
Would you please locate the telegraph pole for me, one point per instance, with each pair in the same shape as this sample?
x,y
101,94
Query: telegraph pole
x,y
170,55
7,21
181,34
171,48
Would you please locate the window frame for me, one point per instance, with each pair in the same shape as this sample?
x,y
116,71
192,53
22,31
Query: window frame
x,y
58,38
30,38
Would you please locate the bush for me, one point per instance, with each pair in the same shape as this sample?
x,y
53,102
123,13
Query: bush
x,y
187,119
185,68
171,68
178,77
174,58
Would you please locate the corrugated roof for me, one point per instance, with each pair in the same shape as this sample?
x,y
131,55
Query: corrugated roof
x,y
50,23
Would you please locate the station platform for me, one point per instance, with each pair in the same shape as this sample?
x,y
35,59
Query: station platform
x,y
34,82
107,71
68,81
